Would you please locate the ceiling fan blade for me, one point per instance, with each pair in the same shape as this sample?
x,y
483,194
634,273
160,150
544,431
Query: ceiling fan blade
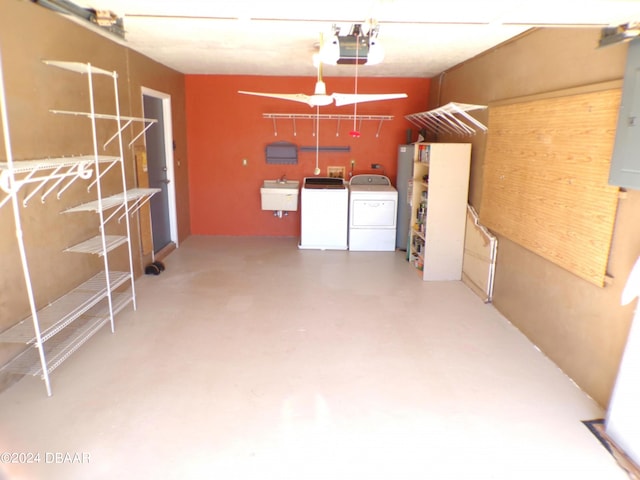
x,y
295,97
350,98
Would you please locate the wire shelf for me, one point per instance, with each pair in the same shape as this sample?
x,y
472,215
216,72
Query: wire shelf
x,y
451,118
42,171
57,315
94,245
117,200
26,166
102,116
55,331
60,347
120,118
79,67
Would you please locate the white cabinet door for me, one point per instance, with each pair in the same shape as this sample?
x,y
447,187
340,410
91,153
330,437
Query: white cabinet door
x,y
623,417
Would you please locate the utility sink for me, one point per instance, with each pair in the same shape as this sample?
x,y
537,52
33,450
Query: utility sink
x,y
280,195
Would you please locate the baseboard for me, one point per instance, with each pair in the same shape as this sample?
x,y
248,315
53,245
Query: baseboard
x,y
166,250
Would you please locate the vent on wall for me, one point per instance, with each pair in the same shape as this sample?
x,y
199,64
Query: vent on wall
x,y
104,19
281,153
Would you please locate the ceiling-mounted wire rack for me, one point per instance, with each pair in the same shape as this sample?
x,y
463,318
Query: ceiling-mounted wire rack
x,y
452,118
324,116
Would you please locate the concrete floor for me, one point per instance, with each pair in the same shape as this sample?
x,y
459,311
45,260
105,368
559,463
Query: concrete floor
x,y
250,359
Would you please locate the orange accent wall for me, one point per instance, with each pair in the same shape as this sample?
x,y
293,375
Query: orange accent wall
x,y
225,127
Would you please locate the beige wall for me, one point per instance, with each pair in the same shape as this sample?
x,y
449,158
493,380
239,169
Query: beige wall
x,y
29,34
579,326
144,72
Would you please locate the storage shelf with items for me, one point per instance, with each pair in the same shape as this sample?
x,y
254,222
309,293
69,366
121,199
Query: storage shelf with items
x,y
438,200
419,192
53,332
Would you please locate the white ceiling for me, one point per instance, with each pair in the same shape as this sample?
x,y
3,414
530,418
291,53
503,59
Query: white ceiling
x,y
421,38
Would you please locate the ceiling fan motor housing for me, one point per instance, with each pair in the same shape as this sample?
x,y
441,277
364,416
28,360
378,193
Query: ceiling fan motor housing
x,y
321,88
353,49
353,45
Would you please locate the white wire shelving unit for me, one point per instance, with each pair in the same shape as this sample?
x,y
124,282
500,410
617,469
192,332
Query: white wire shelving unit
x,y
53,332
452,118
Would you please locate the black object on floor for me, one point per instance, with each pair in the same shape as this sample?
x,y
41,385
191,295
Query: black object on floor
x,y
159,264
152,269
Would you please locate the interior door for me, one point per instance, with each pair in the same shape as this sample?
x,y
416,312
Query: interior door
x,y
157,168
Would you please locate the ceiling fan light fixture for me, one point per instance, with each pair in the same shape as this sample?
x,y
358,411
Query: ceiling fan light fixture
x,y
376,53
330,52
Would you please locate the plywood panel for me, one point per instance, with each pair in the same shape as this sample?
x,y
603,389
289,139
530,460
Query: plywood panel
x,y
545,179
144,214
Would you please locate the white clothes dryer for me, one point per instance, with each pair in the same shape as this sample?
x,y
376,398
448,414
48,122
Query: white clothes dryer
x,y
373,207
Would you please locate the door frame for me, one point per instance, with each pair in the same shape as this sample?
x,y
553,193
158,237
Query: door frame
x,y
168,151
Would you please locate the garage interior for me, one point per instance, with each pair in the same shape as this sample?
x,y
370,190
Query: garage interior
x,y
249,355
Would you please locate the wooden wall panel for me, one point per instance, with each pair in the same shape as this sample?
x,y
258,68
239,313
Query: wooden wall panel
x,y
545,178
144,214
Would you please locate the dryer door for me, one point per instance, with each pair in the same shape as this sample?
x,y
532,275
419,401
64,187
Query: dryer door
x,y
373,213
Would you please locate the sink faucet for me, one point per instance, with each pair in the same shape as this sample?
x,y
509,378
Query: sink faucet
x,y
283,179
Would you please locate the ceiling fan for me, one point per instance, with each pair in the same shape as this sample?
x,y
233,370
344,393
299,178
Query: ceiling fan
x,y
321,99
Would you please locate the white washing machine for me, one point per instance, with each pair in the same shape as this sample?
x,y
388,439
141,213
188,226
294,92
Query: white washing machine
x,y
324,213
373,207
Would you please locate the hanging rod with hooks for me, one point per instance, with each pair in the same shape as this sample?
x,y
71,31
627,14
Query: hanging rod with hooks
x,y
324,116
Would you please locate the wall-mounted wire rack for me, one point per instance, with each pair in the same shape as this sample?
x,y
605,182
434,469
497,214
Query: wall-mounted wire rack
x,y
53,332
452,118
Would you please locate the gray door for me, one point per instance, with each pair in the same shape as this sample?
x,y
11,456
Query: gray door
x,y
157,165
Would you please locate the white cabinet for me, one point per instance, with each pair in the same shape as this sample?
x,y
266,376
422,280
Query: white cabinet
x,y
438,192
56,329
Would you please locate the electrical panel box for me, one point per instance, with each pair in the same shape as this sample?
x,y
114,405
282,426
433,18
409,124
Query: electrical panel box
x,y
625,163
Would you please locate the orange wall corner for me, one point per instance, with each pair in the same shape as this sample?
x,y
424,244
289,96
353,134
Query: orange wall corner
x,y
225,127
